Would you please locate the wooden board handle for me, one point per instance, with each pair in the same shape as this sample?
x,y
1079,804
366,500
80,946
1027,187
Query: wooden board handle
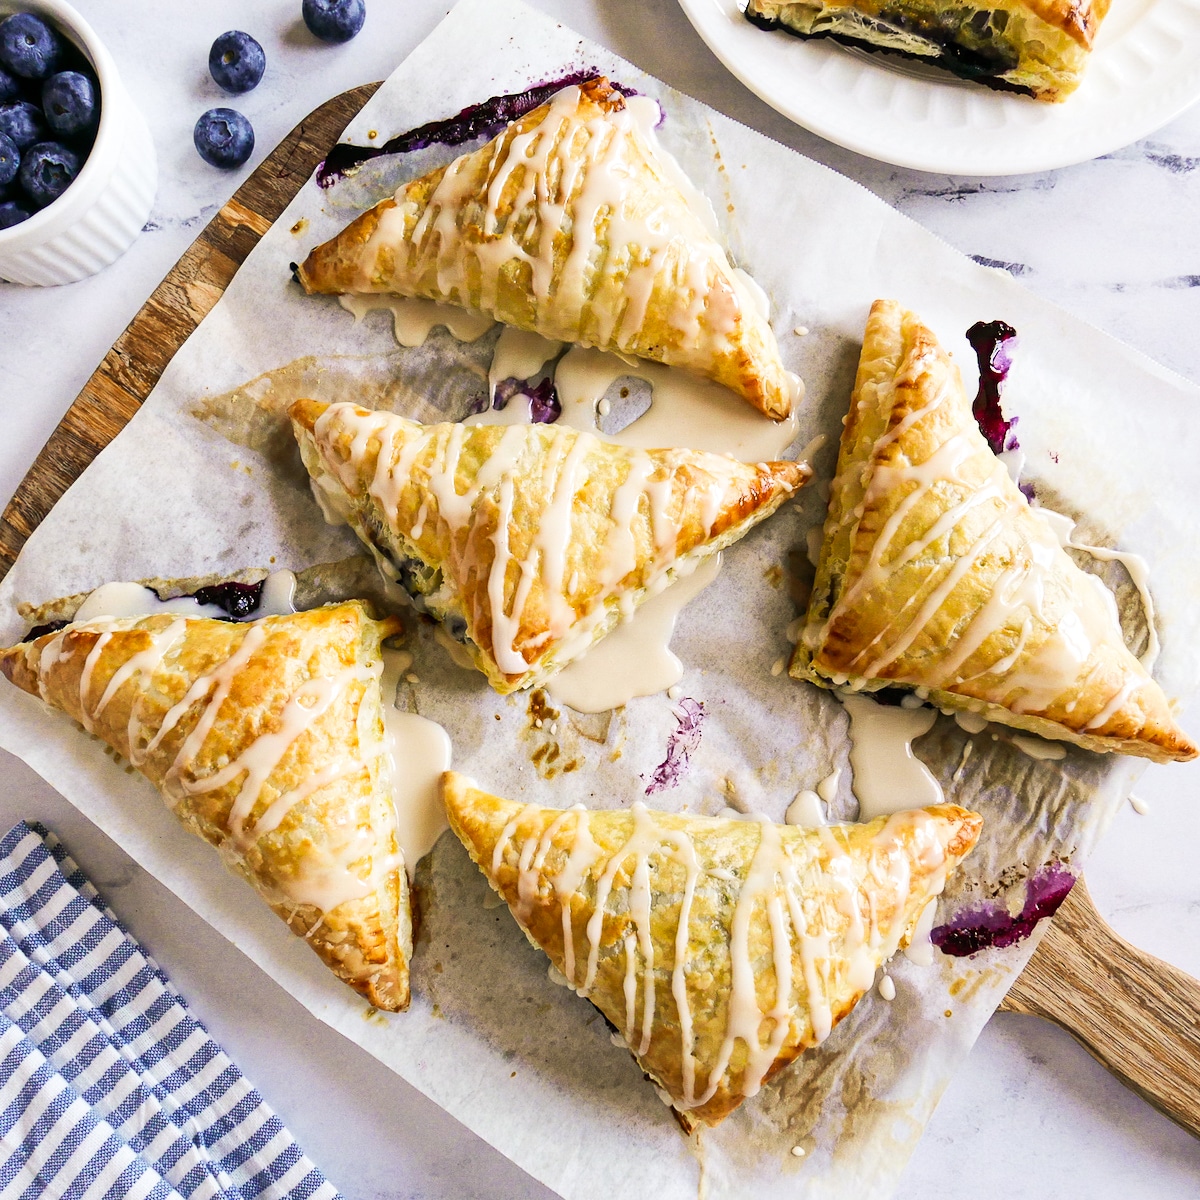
x,y
1137,1015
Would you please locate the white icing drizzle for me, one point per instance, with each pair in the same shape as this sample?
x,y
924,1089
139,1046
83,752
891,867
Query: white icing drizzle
x,y
970,722
1134,564
771,887
887,987
325,884
1138,805
920,949
572,171
438,448
888,777
414,319
1073,626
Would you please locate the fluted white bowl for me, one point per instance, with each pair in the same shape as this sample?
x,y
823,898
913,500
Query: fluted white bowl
x,y
96,219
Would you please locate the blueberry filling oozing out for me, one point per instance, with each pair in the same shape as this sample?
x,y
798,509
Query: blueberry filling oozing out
x,y
544,405
239,600
993,343
482,120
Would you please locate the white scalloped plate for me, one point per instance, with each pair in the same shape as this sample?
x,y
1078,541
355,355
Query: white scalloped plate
x,y
1145,70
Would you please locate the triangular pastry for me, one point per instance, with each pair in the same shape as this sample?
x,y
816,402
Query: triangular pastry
x,y
528,542
936,573
266,739
719,949
569,224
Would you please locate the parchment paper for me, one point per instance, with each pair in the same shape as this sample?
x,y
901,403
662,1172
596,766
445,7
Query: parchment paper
x,y
205,479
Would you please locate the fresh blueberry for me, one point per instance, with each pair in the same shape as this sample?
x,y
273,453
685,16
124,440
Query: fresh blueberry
x,y
334,20
69,102
236,61
23,122
10,160
47,171
28,46
10,86
223,137
13,212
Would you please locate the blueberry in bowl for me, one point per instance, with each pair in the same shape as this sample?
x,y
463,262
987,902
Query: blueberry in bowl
x,y
47,170
13,212
10,86
10,162
236,62
70,103
24,122
334,20
223,138
28,46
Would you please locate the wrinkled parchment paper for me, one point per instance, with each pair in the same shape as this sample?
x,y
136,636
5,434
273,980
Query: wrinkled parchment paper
x,y
205,479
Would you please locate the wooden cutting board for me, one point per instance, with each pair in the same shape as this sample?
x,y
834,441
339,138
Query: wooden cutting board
x,y
1138,1015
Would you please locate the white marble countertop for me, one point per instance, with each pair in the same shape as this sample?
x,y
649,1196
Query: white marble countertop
x,y
1113,241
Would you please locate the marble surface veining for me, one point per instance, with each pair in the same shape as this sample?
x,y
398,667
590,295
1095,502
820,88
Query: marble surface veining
x,y
1114,241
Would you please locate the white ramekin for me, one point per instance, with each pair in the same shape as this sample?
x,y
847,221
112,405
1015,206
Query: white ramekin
x,y
96,219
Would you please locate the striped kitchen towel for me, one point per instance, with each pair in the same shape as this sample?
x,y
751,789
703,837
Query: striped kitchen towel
x,y
109,1087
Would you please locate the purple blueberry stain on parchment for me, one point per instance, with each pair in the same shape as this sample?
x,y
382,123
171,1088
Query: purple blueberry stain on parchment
x,y
681,745
993,343
991,924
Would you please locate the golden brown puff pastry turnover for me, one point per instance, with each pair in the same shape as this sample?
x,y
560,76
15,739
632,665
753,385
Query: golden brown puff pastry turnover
x,y
266,739
719,949
1039,47
936,573
570,224
528,542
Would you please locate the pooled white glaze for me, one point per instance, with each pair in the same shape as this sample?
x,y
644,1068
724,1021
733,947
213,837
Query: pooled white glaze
x,y
1138,805
421,752
805,810
685,411
635,659
519,354
888,777
887,988
414,319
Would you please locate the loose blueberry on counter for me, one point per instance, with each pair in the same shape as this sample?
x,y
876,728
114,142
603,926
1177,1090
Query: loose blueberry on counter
x,y
10,161
28,46
47,170
22,121
13,212
69,102
224,138
10,86
236,61
334,20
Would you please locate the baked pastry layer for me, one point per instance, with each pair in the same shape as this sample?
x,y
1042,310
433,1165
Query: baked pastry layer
x,y
719,949
266,739
936,573
1039,47
528,542
571,225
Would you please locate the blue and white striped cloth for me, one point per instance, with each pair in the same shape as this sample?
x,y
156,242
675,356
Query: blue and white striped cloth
x,y
109,1087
